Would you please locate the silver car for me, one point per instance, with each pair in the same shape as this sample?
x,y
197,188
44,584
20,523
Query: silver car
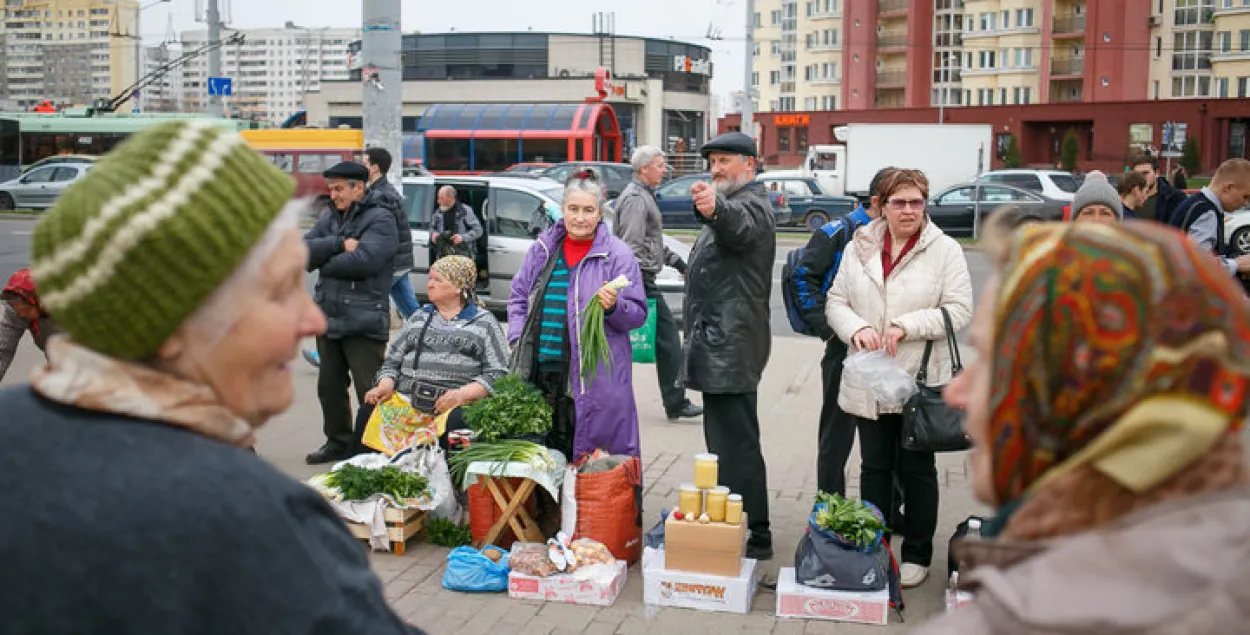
x,y
512,211
40,187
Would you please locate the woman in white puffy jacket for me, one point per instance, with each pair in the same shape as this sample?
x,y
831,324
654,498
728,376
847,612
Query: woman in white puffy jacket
x,y
896,275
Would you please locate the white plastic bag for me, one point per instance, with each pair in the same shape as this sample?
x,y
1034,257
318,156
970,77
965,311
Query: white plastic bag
x,y
881,375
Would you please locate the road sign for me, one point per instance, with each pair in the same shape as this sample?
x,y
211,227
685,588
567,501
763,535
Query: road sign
x,y
222,86
1174,135
1167,133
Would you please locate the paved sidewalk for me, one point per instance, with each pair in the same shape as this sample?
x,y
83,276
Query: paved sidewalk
x,y
789,404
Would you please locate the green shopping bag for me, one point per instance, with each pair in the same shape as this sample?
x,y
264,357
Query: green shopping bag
x,y
642,339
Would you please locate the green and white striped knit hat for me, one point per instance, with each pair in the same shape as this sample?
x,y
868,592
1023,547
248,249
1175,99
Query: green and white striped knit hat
x,y
134,247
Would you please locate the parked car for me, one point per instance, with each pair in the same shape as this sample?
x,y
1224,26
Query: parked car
x,y
1053,184
512,211
1237,228
614,175
810,206
532,167
677,205
959,210
40,187
61,159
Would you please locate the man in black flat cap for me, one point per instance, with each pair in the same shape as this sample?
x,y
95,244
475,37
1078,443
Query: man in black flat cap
x,y
350,248
728,285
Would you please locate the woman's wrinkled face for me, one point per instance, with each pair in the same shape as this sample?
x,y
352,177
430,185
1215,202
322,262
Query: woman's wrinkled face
x,y
904,211
250,368
970,392
440,290
581,215
1097,213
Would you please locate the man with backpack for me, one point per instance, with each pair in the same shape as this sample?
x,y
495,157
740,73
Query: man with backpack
x,y
805,282
1202,214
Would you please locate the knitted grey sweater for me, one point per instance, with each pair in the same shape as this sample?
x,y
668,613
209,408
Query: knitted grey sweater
x,y
470,347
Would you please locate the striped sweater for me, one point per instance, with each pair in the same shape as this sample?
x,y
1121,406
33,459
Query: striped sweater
x,y
554,327
468,348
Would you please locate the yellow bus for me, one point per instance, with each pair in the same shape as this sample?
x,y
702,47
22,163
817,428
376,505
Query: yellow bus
x,y
305,153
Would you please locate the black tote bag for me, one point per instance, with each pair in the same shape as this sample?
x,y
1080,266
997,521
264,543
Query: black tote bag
x,y
929,425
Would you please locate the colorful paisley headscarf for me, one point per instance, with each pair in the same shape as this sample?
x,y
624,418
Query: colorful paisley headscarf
x,y
1122,348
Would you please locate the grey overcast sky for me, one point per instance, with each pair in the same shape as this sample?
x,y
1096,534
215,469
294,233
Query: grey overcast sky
x,y
687,20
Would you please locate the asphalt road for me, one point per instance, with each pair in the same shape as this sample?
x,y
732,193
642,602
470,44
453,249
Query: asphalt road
x,y
15,254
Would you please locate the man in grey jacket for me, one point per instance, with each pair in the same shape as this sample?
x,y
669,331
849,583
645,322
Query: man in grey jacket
x,y
351,248
640,225
454,226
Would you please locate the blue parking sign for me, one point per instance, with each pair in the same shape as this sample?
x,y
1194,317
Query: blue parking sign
x,y
222,86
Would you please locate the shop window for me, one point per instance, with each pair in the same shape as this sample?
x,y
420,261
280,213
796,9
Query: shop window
x,y
800,139
783,139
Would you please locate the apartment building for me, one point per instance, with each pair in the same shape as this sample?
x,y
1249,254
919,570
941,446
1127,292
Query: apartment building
x,y
816,55
71,52
273,70
164,93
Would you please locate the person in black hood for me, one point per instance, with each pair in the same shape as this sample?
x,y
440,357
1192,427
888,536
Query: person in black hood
x,y
382,194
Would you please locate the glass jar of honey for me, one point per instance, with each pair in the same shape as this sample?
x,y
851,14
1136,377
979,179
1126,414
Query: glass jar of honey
x,y
717,497
733,509
690,499
706,471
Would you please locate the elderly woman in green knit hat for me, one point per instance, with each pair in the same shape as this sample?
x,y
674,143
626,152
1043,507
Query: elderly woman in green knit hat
x,y
176,270
450,352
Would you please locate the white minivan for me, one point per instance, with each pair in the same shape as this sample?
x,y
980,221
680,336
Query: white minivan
x,y
512,212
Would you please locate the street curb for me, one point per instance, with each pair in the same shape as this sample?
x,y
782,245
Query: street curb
x,y
5,216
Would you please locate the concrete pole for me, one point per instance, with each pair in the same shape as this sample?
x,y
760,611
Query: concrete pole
x,y
748,103
383,100
215,108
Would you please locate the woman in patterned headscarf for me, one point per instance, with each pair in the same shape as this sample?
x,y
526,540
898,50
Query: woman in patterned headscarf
x,y
21,311
1105,407
451,348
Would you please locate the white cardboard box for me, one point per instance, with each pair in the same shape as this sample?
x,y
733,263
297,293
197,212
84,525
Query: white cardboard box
x,y
662,587
796,600
568,589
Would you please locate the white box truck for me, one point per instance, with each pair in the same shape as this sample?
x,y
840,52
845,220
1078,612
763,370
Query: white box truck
x,y
948,154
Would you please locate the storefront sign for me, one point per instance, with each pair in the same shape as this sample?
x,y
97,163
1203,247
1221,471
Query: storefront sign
x,y
686,65
792,121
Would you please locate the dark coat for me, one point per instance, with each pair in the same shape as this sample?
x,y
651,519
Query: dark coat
x,y
353,289
184,534
383,194
728,286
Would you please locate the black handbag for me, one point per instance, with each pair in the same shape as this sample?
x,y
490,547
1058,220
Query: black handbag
x,y
426,393
929,424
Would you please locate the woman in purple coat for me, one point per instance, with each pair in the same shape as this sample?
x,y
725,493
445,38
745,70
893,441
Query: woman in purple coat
x,y
565,269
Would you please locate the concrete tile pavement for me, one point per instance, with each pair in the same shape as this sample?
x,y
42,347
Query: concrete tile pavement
x,y
789,405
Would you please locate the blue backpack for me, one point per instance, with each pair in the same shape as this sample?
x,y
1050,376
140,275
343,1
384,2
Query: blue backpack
x,y
840,229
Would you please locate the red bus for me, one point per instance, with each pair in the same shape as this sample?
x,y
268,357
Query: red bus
x,y
483,138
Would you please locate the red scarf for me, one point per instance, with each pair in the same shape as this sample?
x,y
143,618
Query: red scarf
x,y
575,250
888,265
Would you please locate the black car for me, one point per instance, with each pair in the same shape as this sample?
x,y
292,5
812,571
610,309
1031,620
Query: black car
x,y
614,175
959,210
811,207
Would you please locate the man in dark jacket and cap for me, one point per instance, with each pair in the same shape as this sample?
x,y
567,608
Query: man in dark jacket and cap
x,y
352,249
728,286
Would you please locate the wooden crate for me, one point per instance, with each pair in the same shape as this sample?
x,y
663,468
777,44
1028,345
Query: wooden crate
x,y
401,526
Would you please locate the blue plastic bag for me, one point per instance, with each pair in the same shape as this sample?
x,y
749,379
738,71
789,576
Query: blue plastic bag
x,y
470,570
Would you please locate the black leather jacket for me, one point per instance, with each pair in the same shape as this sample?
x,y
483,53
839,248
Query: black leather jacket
x,y
728,286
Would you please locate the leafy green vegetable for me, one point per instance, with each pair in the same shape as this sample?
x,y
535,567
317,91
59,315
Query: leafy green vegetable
x,y
516,409
593,342
849,518
499,453
443,532
358,483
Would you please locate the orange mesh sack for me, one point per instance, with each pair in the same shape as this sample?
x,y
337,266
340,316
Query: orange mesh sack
x,y
609,509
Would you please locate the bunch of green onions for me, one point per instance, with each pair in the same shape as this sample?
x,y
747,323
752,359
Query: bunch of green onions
x,y
499,454
594,341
